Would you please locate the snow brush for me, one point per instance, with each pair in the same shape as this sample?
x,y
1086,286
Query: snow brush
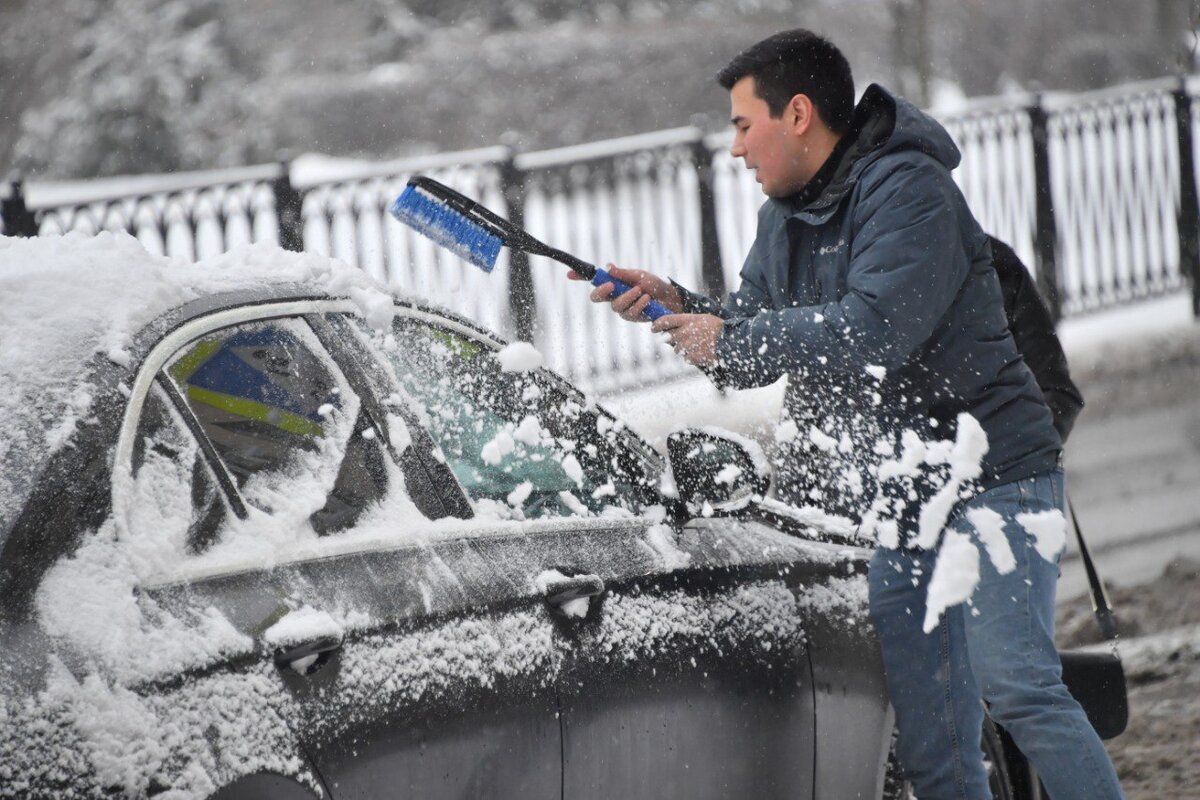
x,y
476,234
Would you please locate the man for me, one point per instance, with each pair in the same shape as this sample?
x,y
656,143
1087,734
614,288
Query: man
x,y
870,285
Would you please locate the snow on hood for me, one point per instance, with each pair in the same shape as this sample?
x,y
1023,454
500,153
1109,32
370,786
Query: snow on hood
x,y
68,299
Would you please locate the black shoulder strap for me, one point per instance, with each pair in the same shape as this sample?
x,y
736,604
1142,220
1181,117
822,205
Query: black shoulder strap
x,y
1100,603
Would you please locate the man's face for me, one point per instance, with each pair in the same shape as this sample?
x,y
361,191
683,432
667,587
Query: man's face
x,y
773,148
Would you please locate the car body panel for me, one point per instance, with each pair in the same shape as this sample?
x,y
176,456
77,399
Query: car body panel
x,y
704,668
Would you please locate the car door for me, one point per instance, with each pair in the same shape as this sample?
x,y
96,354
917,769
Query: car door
x,y
384,652
683,668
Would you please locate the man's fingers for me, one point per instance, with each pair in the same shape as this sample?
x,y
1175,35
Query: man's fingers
x,y
634,312
629,276
602,293
667,323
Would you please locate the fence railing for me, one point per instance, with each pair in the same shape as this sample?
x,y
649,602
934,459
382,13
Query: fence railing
x,y
1096,192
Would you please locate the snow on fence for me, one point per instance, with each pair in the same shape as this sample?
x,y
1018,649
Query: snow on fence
x,y
1096,192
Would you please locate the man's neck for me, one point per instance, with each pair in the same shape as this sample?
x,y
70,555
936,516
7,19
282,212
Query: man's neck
x,y
834,147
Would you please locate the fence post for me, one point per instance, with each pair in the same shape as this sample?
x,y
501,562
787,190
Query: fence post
x,y
1189,206
1045,239
18,219
522,305
289,204
711,271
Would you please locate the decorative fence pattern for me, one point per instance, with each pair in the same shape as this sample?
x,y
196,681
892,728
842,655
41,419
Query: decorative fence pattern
x,y
1096,192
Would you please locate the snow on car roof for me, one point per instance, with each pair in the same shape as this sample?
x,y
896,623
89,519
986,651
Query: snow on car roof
x,y
67,299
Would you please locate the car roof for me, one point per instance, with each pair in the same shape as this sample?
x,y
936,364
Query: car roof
x,y
82,312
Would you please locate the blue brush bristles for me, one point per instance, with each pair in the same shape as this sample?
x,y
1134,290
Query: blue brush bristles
x,y
431,217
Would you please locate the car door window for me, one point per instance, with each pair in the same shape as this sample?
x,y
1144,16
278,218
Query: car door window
x,y
520,445
283,421
176,495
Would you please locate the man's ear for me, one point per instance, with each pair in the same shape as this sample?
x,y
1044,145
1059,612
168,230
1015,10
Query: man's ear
x,y
802,113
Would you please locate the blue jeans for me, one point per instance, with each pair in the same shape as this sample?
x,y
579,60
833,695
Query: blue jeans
x,y
999,647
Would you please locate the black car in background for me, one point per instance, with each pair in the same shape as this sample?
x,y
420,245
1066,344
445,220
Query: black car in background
x,y
291,550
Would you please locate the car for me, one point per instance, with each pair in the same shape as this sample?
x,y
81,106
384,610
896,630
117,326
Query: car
x,y
268,530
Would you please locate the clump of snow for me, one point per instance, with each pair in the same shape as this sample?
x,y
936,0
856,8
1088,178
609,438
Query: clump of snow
x,y
574,504
965,460
786,431
126,633
304,624
576,608
398,434
571,466
661,540
728,474
529,431
519,357
605,490
517,497
990,527
841,600
955,464
376,307
822,440
955,576
1049,531
500,446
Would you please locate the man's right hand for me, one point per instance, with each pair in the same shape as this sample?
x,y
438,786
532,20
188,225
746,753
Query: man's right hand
x,y
644,287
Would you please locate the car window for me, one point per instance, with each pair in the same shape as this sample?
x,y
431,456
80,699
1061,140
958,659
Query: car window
x,y
176,496
283,421
518,443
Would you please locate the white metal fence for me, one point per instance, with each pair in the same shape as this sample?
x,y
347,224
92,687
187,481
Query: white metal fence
x,y
1096,192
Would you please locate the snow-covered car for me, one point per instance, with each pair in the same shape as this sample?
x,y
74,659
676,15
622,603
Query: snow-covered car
x,y
267,531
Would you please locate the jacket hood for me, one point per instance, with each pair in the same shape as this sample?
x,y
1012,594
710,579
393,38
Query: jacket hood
x,y
882,124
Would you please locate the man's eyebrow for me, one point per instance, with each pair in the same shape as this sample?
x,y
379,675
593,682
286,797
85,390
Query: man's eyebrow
x,y
737,119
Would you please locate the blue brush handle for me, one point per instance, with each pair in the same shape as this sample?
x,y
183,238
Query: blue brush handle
x,y
651,312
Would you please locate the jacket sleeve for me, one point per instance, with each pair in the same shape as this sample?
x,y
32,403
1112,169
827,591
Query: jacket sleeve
x,y
907,264
1032,329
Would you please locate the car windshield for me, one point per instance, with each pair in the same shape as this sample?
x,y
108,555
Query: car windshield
x,y
520,445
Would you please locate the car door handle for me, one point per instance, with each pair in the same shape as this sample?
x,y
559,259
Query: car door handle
x,y
303,656
564,594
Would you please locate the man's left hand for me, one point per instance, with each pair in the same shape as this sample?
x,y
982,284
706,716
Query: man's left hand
x,y
693,336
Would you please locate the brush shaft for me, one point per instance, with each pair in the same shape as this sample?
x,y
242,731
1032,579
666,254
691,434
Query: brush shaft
x,y
652,312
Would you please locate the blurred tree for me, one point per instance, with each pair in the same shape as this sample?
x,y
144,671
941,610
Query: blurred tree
x,y
912,53
152,90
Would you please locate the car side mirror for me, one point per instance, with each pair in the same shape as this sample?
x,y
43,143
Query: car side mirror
x,y
717,467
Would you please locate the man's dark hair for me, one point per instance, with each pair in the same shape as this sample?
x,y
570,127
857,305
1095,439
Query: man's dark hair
x,y
797,62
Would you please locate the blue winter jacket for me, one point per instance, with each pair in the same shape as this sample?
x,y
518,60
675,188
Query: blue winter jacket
x,y
880,263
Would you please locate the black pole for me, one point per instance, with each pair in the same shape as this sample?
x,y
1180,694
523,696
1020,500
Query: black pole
x,y
18,219
710,248
1045,238
289,206
522,305
1189,206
